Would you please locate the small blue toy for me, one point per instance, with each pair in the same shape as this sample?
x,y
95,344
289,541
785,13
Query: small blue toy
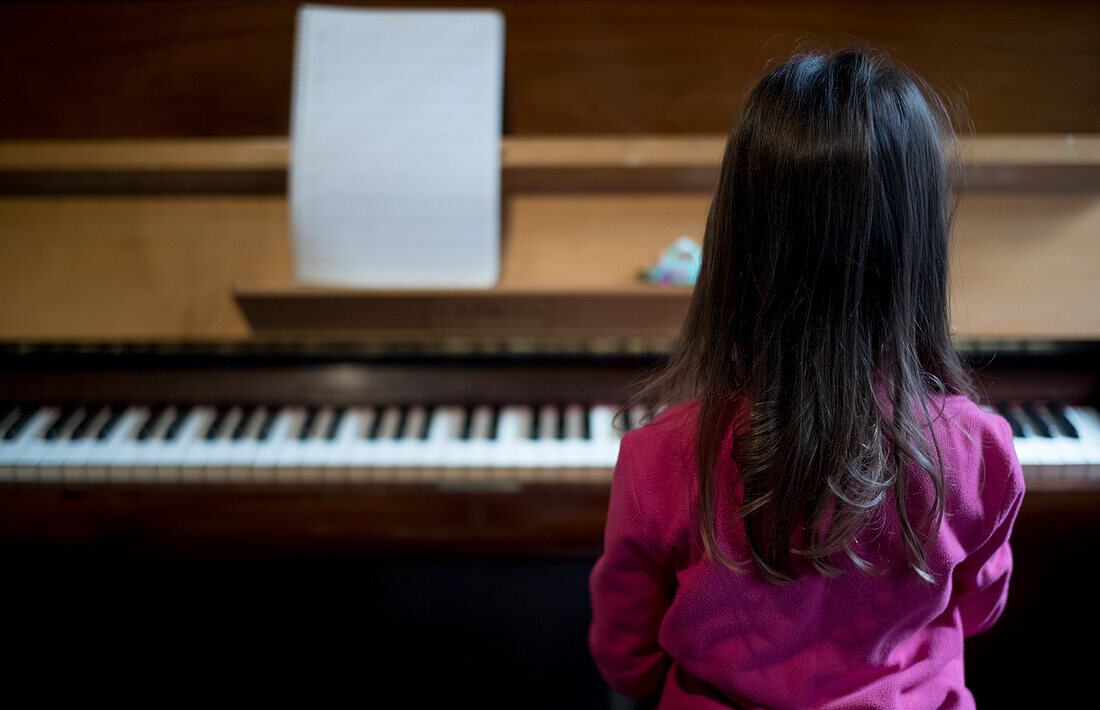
x,y
678,265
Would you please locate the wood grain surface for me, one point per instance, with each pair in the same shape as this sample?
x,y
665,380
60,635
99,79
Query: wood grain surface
x,y
195,68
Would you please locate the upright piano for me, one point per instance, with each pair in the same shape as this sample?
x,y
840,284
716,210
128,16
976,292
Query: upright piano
x,y
167,392
428,420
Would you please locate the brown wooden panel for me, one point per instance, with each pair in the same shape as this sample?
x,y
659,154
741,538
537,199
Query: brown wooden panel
x,y
396,316
1023,266
124,268
165,268
268,520
193,68
259,520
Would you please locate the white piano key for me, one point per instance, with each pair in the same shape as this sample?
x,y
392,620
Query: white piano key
x,y
75,465
439,451
505,454
170,455
358,451
36,449
150,451
551,449
418,419
20,455
157,459
241,451
288,462
576,448
409,450
525,454
603,423
458,455
315,449
269,449
57,450
186,462
605,435
338,453
120,467
385,449
478,448
103,451
1087,422
219,453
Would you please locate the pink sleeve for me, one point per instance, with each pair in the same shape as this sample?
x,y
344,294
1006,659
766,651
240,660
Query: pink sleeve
x,y
981,580
631,588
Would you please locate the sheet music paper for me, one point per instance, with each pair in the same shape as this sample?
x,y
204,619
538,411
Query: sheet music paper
x,y
395,147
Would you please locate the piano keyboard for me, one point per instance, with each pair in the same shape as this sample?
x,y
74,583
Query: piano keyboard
x,y
205,444
430,444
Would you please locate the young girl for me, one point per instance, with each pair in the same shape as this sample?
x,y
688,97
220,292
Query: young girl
x,y
820,514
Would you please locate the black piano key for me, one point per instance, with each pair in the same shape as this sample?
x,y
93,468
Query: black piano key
x,y
1058,413
334,424
1038,424
6,409
536,425
59,423
176,424
264,432
1005,411
25,415
150,423
110,424
215,428
306,432
494,423
561,428
467,423
376,426
427,425
242,423
15,411
402,421
586,424
81,428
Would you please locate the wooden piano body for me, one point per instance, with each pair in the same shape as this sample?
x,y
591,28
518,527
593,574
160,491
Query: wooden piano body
x,y
138,273
569,323
183,261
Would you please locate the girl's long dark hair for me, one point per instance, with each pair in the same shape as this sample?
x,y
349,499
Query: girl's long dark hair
x,y
821,308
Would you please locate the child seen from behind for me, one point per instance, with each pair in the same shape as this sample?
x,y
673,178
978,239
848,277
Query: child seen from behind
x,y
820,513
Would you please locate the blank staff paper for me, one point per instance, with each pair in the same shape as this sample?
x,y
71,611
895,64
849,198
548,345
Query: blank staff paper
x,y
395,134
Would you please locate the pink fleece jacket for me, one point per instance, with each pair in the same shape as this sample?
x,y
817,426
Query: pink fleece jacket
x,y
668,621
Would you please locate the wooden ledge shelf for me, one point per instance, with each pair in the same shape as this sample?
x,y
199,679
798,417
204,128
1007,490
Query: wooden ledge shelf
x,y
590,151
569,267
499,312
528,163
